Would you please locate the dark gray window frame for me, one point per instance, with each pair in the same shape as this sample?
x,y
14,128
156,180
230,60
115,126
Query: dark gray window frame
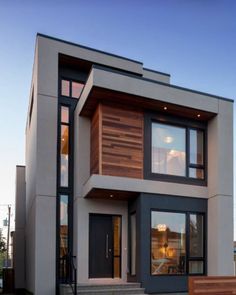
x,y
188,124
187,243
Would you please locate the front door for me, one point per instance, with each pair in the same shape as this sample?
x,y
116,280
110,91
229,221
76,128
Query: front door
x,y
103,240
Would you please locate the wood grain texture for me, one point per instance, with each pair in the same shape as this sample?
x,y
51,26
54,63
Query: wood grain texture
x,y
117,142
95,152
122,142
204,285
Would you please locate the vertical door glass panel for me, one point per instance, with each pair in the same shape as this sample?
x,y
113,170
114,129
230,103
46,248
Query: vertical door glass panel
x,y
77,89
133,243
168,239
116,245
64,114
196,147
196,235
63,235
196,267
196,173
168,149
64,155
65,88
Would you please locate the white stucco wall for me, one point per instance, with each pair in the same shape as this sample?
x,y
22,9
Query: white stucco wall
x,y
19,234
220,187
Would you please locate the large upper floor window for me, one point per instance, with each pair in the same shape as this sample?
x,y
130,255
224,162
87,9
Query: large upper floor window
x,y
175,150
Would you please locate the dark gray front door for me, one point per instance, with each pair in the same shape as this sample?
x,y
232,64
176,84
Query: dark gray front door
x,y
100,246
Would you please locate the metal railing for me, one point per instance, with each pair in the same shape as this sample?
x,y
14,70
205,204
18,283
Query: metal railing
x,y
68,271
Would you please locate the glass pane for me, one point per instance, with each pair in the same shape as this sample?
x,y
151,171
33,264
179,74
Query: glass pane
x,y
77,89
64,114
63,235
65,88
196,267
196,147
64,154
116,245
196,235
168,149
133,243
168,236
196,173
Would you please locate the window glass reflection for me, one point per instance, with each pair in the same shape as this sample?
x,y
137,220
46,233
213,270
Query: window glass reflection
x,y
77,89
196,173
196,147
63,234
168,234
65,88
133,243
196,267
64,114
64,154
168,149
196,235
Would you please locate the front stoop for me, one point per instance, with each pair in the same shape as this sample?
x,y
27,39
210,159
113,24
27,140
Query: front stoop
x,y
106,289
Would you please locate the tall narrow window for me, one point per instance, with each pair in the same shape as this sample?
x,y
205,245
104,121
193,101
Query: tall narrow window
x,y
196,156
133,244
196,251
63,234
64,147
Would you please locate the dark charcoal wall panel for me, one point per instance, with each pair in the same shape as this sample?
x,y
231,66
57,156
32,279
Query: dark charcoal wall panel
x,y
144,204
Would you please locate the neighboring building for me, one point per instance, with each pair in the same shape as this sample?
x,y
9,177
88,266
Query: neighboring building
x,y
131,174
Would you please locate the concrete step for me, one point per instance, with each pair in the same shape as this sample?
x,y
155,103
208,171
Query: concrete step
x,y
106,289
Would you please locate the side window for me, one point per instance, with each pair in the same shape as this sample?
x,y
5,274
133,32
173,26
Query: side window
x,y
71,88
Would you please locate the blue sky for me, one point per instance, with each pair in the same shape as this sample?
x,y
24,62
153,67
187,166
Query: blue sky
x,y
193,40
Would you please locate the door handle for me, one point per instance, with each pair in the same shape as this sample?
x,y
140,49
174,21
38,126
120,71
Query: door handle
x,y
107,243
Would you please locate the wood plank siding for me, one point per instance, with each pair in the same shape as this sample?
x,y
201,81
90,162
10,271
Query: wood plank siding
x,y
212,285
95,142
120,148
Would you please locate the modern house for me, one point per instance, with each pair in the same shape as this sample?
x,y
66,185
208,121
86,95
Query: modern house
x,y
125,171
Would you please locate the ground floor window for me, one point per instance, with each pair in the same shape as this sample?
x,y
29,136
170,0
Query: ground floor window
x,y
177,243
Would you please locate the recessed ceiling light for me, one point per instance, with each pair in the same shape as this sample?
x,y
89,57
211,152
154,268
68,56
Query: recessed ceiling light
x,y
165,108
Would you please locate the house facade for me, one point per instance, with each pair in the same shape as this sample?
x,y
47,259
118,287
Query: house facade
x,y
125,171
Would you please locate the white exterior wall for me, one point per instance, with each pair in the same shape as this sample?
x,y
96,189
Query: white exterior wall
x,y
19,234
41,155
220,184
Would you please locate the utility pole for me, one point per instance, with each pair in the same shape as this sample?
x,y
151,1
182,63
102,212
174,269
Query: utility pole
x,y
8,232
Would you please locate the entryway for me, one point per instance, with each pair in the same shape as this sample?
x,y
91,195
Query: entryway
x,y
104,246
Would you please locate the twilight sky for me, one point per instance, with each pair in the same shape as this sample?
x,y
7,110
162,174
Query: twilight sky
x,y
193,40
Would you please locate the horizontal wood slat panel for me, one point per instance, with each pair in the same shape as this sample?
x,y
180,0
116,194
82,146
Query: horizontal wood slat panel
x,y
95,151
117,142
212,285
